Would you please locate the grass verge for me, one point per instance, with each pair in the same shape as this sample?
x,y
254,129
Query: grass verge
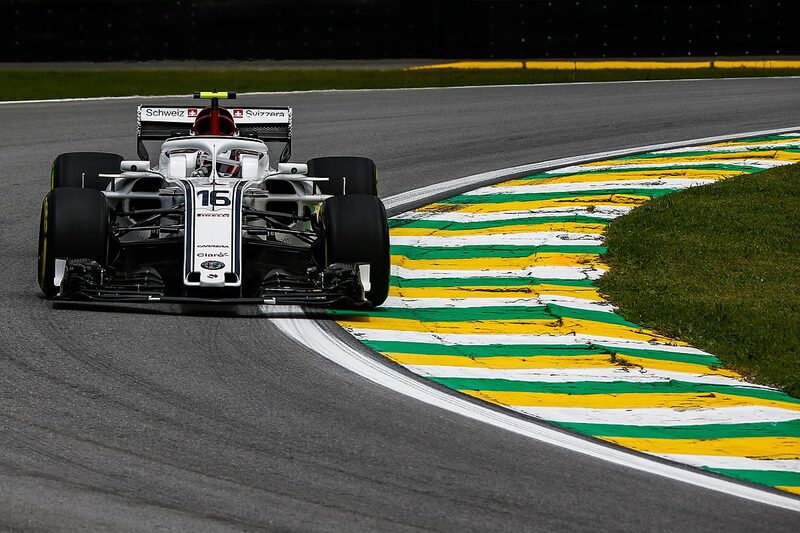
x,y
719,267
21,84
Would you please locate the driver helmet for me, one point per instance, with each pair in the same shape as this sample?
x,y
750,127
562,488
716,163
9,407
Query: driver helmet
x,y
202,124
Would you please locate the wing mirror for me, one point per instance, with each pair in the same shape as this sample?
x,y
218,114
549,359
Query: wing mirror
x,y
134,166
292,168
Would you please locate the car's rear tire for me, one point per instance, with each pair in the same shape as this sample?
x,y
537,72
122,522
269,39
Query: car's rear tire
x,y
74,224
81,169
346,175
356,231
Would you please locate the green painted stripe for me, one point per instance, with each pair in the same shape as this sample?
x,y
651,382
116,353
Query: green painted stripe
x,y
766,138
484,350
542,196
706,431
591,170
614,387
463,226
486,282
531,350
489,250
661,355
470,314
773,478
698,153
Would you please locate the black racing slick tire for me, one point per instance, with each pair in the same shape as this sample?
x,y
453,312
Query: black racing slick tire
x,y
356,231
74,224
346,175
81,169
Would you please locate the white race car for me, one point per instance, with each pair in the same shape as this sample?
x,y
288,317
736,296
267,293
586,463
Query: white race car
x,y
213,221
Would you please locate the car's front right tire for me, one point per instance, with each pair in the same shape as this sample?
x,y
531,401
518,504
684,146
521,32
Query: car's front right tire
x,y
74,224
356,231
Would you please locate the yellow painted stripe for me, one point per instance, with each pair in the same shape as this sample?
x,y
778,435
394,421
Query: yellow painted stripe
x,y
626,401
547,361
550,65
622,200
531,291
483,65
566,227
607,65
752,447
628,176
773,63
794,490
718,156
503,263
561,326
624,65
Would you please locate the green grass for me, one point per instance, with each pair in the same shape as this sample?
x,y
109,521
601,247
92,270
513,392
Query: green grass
x,y
24,84
718,266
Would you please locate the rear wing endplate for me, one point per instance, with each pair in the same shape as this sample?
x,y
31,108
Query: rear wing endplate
x,y
159,123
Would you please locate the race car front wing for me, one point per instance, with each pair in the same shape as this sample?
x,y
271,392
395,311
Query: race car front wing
x,y
86,280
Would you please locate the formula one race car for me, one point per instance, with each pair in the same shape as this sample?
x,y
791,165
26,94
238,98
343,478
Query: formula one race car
x,y
212,221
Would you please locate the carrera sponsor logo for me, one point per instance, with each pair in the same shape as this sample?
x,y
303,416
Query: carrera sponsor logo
x,y
263,113
238,113
206,254
192,112
164,113
213,215
213,246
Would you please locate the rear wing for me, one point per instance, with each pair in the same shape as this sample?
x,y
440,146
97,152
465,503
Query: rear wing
x,y
159,123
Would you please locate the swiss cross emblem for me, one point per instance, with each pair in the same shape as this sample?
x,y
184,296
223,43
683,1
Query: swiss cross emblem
x,y
238,113
192,112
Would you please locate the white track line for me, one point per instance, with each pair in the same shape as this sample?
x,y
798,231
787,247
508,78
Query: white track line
x,y
544,273
662,416
645,164
572,375
404,89
539,238
310,334
539,301
607,212
590,187
736,463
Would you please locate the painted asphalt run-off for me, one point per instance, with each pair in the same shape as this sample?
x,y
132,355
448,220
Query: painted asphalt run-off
x,y
492,296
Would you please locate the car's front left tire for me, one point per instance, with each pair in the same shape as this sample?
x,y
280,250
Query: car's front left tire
x,y
346,175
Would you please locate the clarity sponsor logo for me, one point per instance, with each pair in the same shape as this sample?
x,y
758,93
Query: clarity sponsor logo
x,y
205,254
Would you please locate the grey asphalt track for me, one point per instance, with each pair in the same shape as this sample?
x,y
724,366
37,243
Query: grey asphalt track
x,y
140,421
